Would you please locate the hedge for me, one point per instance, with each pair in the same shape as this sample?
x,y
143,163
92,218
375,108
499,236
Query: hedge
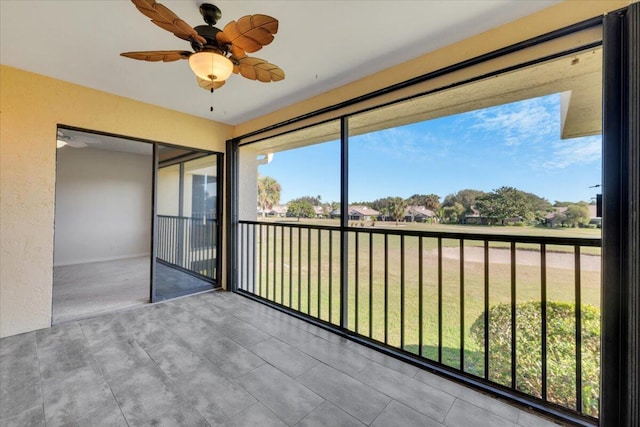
x,y
561,359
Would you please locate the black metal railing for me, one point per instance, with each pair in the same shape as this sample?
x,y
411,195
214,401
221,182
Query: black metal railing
x,y
188,243
438,297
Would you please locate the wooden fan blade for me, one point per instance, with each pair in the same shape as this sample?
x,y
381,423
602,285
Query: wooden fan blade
x,y
234,49
158,55
259,69
251,32
208,85
164,18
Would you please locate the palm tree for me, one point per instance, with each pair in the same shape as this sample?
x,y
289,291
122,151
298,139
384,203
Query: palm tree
x,y
268,193
432,202
397,207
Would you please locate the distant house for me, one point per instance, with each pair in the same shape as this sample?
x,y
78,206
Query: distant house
x,y
278,211
474,218
319,210
362,213
418,214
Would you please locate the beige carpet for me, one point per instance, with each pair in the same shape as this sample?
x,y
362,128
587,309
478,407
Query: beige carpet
x,y
84,290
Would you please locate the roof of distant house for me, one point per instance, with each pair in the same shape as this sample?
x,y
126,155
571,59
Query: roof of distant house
x,y
362,210
418,211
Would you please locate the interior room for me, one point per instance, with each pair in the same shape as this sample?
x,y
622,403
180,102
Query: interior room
x,y
102,250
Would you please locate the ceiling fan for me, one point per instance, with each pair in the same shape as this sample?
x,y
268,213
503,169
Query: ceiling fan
x,y
216,53
74,141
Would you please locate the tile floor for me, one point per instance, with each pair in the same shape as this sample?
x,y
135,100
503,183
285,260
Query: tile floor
x,y
218,359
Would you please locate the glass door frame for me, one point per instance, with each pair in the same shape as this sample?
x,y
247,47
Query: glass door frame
x,y
215,282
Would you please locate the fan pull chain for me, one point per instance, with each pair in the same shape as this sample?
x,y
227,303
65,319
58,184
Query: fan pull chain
x,y
211,99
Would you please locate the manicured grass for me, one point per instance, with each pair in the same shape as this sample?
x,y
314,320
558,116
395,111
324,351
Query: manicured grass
x,y
384,298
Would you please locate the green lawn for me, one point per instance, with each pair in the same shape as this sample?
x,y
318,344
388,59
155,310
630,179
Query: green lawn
x,y
310,281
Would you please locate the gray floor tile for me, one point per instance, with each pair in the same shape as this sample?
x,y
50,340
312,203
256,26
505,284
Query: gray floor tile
x,y
74,395
526,419
230,356
336,355
256,415
499,408
149,332
200,360
278,328
19,393
197,331
59,333
19,375
119,357
239,331
328,414
354,397
18,346
173,417
143,393
464,414
413,393
397,414
203,384
288,359
287,398
204,308
33,417
62,349
104,330
106,416
383,359
56,360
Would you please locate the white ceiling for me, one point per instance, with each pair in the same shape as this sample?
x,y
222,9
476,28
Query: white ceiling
x,y
320,45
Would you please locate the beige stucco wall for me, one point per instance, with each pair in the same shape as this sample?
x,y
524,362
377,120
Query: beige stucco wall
x,y
547,20
31,107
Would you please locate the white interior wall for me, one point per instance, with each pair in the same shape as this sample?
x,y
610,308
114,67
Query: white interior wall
x,y
103,205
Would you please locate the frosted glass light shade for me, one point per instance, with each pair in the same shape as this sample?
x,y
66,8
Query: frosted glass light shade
x,y
211,66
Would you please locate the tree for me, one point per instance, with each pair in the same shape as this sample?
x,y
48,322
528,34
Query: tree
x,y
268,193
396,209
467,198
432,202
381,205
429,201
301,208
451,214
577,214
503,203
313,201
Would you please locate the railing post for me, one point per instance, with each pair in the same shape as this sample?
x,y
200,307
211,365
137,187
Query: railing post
x,y
344,222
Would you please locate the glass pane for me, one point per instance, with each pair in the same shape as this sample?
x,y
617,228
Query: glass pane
x,y
481,165
289,192
187,227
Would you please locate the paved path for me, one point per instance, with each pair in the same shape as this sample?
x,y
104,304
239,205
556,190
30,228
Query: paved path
x,y
524,257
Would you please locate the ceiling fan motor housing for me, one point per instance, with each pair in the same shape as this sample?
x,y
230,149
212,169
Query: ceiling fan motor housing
x,y
209,33
210,13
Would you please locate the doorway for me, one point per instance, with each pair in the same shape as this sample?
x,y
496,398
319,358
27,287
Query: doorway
x,y
135,222
102,256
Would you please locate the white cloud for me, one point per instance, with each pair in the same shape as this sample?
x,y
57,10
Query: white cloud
x,y
528,121
574,151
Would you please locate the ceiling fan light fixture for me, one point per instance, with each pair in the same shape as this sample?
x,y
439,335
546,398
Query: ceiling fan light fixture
x,y
60,143
211,66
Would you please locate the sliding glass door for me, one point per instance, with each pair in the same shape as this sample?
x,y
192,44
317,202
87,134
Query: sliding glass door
x,y
186,236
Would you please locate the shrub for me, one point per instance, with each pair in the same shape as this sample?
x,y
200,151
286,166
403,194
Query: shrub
x,y
561,361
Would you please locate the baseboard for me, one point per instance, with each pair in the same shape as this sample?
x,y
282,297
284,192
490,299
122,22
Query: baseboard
x,y
101,259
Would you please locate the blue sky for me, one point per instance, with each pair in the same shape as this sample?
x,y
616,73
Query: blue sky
x,y
515,145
